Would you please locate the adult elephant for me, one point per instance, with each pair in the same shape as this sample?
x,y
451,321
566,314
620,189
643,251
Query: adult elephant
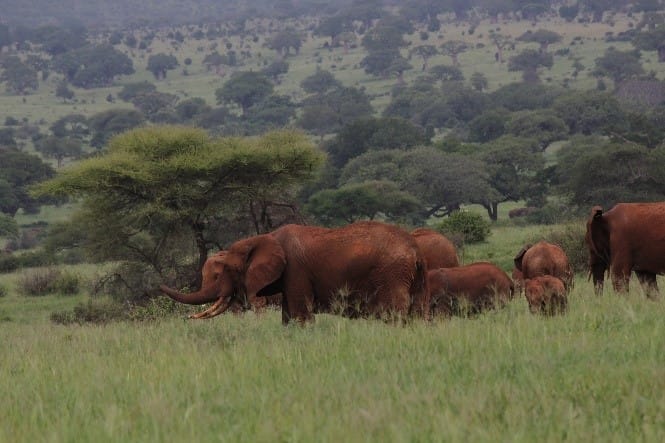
x,y
363,269
629,237
544,258
468,289
213,268
438,250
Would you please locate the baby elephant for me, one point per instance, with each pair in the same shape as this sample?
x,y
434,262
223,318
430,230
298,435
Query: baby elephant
x,y
468,289
546,295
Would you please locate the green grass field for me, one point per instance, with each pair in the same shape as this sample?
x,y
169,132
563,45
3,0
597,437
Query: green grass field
x,y
595,374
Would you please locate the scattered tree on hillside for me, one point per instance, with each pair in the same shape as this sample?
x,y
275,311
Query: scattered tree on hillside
x,y
528,61
652,41
71,125
18,171
245,89
284,41
543,37
93,66
62,91
160,64
595,171
60,148
426,52
513,164
500,41
18,76
619,65
320,82
106,124
131,90
453,48
362,201
479,81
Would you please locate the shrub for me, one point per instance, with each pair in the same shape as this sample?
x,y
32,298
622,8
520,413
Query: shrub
x,y
551,214
571,239
8,263
98,312
48,281
3,291
473,227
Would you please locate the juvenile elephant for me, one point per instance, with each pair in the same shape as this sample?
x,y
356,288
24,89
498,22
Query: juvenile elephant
x,y
629,237
546,295
544,258
468,289
213,268
373,268
438,250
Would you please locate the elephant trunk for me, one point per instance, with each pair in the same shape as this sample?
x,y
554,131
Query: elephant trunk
x,y
205,295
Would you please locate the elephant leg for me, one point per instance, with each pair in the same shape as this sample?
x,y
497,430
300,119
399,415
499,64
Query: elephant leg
x,y
648,282
298,301
393,304
621,276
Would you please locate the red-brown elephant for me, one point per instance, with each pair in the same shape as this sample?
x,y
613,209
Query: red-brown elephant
x,y
374,269
213,268
544,258
438,250
629,237
468,289
546,295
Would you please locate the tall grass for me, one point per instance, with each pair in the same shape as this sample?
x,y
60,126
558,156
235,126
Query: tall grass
x,y
595,374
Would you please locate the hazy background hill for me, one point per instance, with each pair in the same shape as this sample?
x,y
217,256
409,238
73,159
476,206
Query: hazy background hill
x,y
121,13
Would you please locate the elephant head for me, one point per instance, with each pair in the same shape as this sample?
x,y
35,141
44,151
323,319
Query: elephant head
x,y
250,267
520,255
597,238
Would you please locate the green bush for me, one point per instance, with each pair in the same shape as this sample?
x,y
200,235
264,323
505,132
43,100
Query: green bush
x,y
8,263
551,214
473,227
45,281
571,239
97,312
3,291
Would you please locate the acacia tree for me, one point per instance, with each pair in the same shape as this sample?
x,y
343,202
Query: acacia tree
x,y
245,89
151,200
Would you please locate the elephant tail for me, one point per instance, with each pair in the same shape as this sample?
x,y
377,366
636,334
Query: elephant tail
x,y
419,291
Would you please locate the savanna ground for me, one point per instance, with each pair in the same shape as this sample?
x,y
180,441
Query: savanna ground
x,y
594,374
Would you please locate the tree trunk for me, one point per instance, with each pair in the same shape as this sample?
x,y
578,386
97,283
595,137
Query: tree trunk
x,y
201,245
492,210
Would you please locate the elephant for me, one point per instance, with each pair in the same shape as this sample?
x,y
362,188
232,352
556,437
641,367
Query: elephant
x,y
438,250
518,280
213,268
629,237
468,289
546,295
363,269
544,258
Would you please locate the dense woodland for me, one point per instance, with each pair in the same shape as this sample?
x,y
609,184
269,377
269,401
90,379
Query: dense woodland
x,y
250,116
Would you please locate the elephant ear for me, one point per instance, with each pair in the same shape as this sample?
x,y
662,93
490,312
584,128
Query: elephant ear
x,y
266,261
518,258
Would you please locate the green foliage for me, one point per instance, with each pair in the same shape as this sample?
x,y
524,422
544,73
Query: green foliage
x,y
63,91
106,124
589,112
131,90
245,89
373,133
542,125
528,61
59,148
160,64
619,65
544,37
8,226
365,200
161,188
18,171
93,66
18,76
593,171
473,227
3,291
276,69
95,312
43,281
320,82
520,96
283,41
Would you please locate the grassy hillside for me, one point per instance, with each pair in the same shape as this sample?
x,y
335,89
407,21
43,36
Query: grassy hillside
x,y
585,42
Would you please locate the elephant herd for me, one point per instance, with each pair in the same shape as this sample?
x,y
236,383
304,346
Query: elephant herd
x,y
374,269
